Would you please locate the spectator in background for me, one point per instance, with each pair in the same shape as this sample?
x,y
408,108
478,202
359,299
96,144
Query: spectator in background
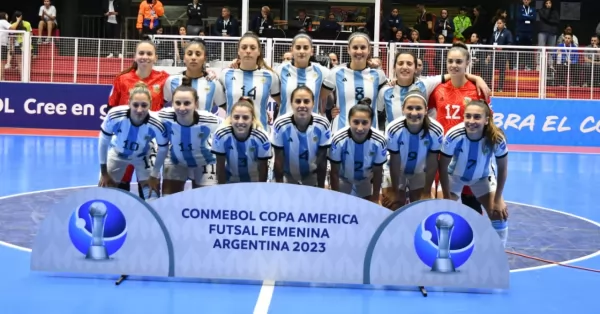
x,y
112,29
149,15
19,24
194,13
568,31
502,37
330,24
47,20
461,23
395,22
592,62
525,20
444,26
226,25
500,14
305,21
370,26
167,51
479,26
598,29
4,26
440,55
399,37
424,24
548,25
567,64
262,21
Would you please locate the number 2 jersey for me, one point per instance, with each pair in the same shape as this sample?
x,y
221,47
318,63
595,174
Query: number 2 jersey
x,y
449,102
190,145
130,140
258,85
471,159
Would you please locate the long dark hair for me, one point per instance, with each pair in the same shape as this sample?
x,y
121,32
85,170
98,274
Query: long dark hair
x,y
363,105
20,26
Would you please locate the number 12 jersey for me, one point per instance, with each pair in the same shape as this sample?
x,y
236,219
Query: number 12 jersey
x,y
449,102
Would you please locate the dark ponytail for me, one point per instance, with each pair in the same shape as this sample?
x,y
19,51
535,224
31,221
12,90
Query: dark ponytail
x,y
363,105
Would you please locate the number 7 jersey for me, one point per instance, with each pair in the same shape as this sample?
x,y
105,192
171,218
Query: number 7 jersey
x,y
449,102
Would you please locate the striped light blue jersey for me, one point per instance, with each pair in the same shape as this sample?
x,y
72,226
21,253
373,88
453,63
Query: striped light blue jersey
x,y
300,148
351,86
292,77
242,156
258,85
413,148
209,92
391,97
357,160
471,159
130,140
190,145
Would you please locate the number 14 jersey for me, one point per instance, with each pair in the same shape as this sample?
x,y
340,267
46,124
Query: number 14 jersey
x,y
449,102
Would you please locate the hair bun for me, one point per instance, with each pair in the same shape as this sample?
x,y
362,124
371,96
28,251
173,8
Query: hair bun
x,y
459,44
186,81
146,38
140,84
199,40
365,101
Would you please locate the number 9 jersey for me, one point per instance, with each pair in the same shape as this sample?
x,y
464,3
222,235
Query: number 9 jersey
x,y
447,103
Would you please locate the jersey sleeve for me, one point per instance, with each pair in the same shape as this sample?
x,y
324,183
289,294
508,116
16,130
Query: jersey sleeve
x,y
336,148
432,103
501,148
431,82
167,92
449,145
277,136
218,142
219,98
115,93
392,135
381,99
264,148
275,85
383,80
329,80
437,137
108,126
381,155
325,140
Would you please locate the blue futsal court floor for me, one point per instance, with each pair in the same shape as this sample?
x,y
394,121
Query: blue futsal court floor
x,y
554,206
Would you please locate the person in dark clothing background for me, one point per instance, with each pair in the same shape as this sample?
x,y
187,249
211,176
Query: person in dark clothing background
x,y
261,21
112,27
395,23
548,25
370,26
195,11
524,33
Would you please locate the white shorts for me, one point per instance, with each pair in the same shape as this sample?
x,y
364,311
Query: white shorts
x,y
480,187
411,181
203,176
311,180
359,189
117,165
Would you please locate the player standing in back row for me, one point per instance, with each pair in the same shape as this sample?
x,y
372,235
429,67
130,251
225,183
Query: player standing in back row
x,y
448,101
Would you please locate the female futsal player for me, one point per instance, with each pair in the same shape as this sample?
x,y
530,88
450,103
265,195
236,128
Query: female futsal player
x,y
357,153
140,70
467,161
414,141
447,102
190,131
242,147
301,139
300,72
128,131
391,97
194,59
353,82
254,79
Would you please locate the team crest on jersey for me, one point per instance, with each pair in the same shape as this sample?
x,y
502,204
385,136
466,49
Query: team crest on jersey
x,y
315,138
467,100
426,142
147,138
371,153
485,149
156,88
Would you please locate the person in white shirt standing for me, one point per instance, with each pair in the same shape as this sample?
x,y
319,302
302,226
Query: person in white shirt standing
x,y
112,29
4,27
47,20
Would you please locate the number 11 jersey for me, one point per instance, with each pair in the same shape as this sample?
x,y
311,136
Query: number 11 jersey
x,y
449,102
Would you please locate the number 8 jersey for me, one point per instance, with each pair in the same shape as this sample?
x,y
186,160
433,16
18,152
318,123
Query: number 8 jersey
x,y
448,102
352,86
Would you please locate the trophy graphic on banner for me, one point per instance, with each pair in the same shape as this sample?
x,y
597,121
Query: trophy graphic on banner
x,y
443,263
97,250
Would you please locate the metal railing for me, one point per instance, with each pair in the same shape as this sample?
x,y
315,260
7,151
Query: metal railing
x,y
511,71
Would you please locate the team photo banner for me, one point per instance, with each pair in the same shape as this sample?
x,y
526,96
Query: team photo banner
x,y
267,231
557,122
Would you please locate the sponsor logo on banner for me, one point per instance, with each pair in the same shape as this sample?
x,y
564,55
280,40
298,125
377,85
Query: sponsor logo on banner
x,y
281,232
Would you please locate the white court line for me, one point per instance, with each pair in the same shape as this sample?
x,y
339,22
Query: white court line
x,y
264,297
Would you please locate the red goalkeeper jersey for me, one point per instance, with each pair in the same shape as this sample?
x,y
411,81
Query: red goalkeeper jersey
x,y
449,102
123,83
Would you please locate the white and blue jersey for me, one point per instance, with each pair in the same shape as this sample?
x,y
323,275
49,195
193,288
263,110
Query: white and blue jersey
x,y
300,148
391,97
471,159
352,86
292,77
129,140
357,160
413,148
190,145
209,92
242,156
258,85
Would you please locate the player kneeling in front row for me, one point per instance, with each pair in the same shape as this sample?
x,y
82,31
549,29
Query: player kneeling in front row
x,y
242,147
357,154
301,139
128,131
190,132
467,160
414,142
